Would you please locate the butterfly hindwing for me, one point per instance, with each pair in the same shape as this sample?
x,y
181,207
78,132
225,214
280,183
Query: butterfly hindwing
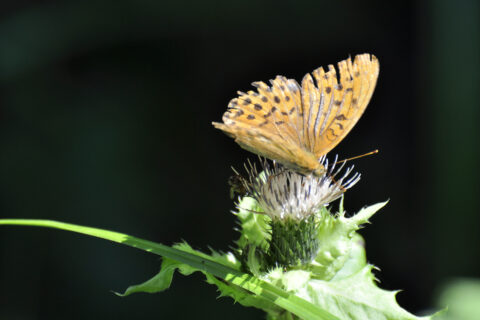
x,y
267,123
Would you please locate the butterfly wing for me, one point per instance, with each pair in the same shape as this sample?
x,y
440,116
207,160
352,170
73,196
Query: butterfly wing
x,y
335,107
269,122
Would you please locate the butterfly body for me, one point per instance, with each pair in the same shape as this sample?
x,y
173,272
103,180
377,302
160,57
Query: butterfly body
x,y
298,124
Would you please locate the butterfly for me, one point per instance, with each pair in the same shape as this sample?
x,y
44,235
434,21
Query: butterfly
x,y
296,125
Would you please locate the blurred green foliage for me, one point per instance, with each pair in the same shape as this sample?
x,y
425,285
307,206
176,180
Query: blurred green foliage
x,y
462,297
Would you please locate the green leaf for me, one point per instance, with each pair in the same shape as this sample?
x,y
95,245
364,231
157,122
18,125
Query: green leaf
x,y
356,260
337,237
254,226
159,282
366,213
163,279
243,297
355,297
266,293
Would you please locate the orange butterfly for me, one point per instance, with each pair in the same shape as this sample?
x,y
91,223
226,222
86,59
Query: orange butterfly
x,y
297,125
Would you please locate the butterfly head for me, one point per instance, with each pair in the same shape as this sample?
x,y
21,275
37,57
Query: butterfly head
x,y
320,171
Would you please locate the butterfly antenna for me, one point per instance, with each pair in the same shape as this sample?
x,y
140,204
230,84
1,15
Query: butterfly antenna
x,y
351,180
360,156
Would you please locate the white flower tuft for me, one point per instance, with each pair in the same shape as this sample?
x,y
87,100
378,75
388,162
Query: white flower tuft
x,y
283,193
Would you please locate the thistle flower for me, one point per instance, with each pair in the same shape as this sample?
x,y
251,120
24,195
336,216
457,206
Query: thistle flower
x,y
283,193
293,202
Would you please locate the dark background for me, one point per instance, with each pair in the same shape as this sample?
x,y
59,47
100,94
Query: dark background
x,y
105,112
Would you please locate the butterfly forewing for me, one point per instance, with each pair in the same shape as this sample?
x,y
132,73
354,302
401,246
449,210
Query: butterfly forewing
x,y
349,99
